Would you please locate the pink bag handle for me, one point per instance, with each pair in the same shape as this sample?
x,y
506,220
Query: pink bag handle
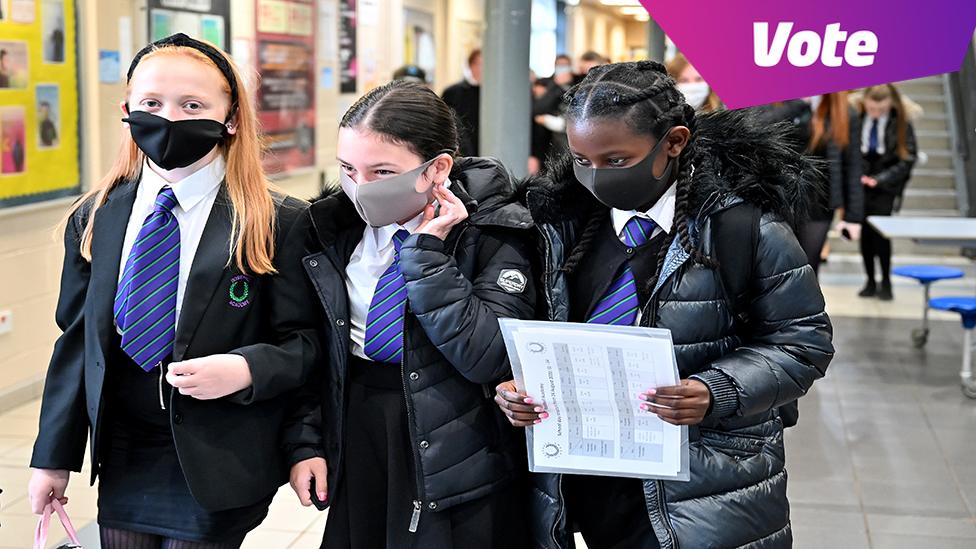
x,y
44,524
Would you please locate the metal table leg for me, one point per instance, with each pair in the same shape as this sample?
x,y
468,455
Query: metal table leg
x,y
920,336
968,383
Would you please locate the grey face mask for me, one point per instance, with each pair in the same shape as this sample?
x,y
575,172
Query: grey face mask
x,y
628,188
387,201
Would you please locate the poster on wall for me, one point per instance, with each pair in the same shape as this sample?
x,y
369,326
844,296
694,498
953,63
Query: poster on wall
x,y
347,46
418,37
202,19
39,142
285,43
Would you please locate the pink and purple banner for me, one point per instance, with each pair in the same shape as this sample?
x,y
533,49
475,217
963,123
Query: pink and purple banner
x,y
755,52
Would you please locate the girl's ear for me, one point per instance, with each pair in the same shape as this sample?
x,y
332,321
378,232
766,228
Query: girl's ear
x,y
232,124
442,168
678,140
124,107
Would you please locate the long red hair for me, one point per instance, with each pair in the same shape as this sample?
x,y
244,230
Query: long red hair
x,y
833,108
253,221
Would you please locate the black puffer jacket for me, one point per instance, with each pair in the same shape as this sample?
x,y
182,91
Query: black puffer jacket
x,y
454,353
737,493
890,170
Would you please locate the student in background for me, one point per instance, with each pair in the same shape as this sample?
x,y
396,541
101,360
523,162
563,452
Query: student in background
x,y
586,62
697,92
465,99
889,151
415,260
185,318
835,140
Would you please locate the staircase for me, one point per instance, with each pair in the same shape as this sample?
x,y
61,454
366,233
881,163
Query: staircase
x,y
931,192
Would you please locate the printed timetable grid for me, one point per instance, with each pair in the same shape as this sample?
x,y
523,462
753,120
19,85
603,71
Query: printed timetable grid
x,y
594,424
589,380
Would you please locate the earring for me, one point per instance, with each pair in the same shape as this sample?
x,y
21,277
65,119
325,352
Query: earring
x,y
230,126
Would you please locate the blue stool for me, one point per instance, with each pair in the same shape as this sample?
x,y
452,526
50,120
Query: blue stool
x,y
966,307
926,275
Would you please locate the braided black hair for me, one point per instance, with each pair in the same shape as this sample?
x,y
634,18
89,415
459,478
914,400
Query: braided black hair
x,y
644,96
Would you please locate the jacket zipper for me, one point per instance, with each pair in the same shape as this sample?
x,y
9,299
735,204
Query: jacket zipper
x,y
547,274
659,497
419,502
561,506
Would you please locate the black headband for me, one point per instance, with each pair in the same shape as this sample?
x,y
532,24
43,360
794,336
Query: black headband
x,y
212,53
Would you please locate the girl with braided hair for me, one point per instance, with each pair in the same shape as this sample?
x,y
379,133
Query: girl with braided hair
x,y
631,223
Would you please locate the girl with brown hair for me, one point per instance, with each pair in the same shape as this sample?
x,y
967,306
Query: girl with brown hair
x,y
889,151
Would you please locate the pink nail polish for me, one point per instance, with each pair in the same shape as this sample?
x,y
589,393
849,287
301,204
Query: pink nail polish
x,y
527,400
538,421
652,392
642,396
643,407
538,409
544,415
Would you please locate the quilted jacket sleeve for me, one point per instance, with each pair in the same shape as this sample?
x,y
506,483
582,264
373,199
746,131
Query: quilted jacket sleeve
x,y
788,346
460,316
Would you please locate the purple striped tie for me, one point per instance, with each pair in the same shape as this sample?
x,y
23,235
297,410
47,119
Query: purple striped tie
x,y
619,304
384,321
145,302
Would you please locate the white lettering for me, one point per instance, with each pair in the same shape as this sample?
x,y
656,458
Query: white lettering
x,y
860,49
766,54
803,48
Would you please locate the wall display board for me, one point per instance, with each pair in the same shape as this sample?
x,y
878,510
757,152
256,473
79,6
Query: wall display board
x,y
39,141
285,59
202,19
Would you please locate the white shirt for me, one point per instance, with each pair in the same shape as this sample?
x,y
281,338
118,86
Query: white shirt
x,y
661,213
866,134
196,194
373,256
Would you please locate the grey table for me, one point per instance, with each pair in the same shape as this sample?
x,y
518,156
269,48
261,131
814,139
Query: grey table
x,y
936,231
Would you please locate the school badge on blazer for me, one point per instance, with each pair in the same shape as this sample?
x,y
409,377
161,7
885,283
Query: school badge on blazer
x,y
239,291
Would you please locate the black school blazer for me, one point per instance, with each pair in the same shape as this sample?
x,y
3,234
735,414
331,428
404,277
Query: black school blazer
x,y
228,447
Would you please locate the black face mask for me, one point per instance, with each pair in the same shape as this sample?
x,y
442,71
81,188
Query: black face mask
x,y
628,188
171,144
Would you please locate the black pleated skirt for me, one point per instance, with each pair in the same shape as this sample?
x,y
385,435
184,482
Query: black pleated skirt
x,y
377,484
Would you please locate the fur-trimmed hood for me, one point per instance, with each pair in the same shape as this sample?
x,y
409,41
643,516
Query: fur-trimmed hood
x,y
737,158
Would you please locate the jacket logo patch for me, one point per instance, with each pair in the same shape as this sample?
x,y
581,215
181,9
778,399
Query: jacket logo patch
x,y
240,291
512,281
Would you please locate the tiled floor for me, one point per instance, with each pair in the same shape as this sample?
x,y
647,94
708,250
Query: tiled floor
x,y
884,456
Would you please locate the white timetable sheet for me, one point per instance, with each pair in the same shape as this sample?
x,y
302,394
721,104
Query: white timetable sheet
x,y
588,377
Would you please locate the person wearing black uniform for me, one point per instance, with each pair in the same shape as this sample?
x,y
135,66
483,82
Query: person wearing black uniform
x,y
638,221
183,337
464,98
889,152
835,139
415,261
